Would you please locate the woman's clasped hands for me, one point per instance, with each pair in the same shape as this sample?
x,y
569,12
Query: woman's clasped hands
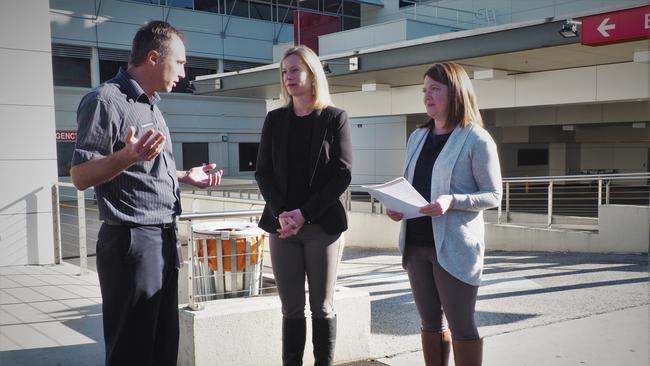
x,y
290,223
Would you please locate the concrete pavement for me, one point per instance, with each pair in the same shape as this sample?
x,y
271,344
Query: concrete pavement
x,y
533,309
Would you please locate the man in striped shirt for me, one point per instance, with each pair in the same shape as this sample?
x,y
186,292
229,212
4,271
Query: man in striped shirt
x,y
124,150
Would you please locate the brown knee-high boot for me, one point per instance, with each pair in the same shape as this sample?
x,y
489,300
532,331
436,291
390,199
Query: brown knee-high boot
x,y
436,347
468,353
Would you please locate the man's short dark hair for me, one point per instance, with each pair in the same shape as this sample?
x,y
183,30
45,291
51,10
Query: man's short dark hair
x,y
153,36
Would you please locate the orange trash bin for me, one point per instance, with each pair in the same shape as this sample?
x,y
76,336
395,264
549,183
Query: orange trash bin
x,y
233,264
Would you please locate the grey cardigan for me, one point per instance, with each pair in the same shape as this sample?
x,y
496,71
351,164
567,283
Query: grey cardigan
x,y
468,168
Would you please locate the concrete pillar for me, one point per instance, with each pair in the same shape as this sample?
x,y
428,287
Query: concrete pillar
x,y
28,141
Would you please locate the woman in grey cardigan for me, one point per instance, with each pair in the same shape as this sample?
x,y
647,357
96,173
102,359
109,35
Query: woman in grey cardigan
x,y
452,161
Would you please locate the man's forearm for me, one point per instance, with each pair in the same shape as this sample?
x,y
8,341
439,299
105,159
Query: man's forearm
x,y
98,171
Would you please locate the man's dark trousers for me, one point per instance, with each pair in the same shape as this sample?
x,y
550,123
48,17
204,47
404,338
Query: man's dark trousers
x,y
138,277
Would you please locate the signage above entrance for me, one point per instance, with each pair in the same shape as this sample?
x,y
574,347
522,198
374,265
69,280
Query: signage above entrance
x,y
66,136
616,27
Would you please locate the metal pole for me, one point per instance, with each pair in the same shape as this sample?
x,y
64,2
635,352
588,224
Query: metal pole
x,y
81,224
550,204
499,213
600,192
190,271
607,192
56,215
507,202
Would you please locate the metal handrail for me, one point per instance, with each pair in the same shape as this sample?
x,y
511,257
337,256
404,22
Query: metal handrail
x,y
540,191
577,178
603,181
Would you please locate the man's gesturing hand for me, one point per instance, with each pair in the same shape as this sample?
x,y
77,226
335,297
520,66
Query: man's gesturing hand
x,y
199,176
147,147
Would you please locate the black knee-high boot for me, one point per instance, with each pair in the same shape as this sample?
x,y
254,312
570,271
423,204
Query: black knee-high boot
x,y
294,332
324,340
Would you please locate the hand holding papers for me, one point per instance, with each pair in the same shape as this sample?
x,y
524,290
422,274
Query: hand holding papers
x,y
400,196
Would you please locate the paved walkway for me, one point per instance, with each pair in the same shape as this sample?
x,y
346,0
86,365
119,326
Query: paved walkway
x,y
533,309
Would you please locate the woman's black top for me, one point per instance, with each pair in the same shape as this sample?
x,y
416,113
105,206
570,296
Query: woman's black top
x,y
300,132
419,231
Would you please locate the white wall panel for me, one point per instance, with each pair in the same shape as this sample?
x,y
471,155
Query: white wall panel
x,y
535,116
556,87
363,162
407,100
631,112
26,238
623,81
117,35
557,159
66,28
367,103
133,12
29,189
362,137
577,114
514,134
390,162
390,135
27,72
492,94
22,124
27,154
36,34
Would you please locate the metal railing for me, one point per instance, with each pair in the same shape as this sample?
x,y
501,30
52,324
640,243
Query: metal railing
x,y
547,200
551,196
571,195
71,223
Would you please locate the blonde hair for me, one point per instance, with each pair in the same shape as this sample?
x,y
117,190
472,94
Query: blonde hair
x,y
321,89
463,108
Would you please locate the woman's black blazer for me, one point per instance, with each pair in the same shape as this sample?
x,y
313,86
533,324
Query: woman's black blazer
x,y
330,164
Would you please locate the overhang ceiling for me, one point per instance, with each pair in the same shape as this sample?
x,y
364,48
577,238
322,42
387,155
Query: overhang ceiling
x,y
524,49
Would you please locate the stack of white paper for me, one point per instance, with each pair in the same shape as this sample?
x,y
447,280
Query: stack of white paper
x,y
398,195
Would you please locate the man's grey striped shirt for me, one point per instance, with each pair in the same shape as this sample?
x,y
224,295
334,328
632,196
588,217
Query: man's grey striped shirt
x,y
147,192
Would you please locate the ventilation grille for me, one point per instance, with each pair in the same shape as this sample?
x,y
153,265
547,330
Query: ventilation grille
x,y
231,65
64,50
110,54
202,63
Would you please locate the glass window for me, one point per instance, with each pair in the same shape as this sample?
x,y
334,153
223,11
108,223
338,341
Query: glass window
x,y
332,6
207,5
248,156
260,11
309,4
351,23
351,9
288,12
195,154
155,2
64,152
186,4
71,71
240,8
183,85
108,69
532,157
403,3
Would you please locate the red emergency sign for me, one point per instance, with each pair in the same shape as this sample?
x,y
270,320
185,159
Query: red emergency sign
x,y
616,27
66,136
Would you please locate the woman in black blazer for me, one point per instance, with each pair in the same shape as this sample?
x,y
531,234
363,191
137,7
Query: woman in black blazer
x,y
303,168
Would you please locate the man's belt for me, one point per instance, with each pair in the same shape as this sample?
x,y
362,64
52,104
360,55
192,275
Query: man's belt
x,y
166,225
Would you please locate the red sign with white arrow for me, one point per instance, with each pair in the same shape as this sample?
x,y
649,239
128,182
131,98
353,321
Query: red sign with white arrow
x,y
616,27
